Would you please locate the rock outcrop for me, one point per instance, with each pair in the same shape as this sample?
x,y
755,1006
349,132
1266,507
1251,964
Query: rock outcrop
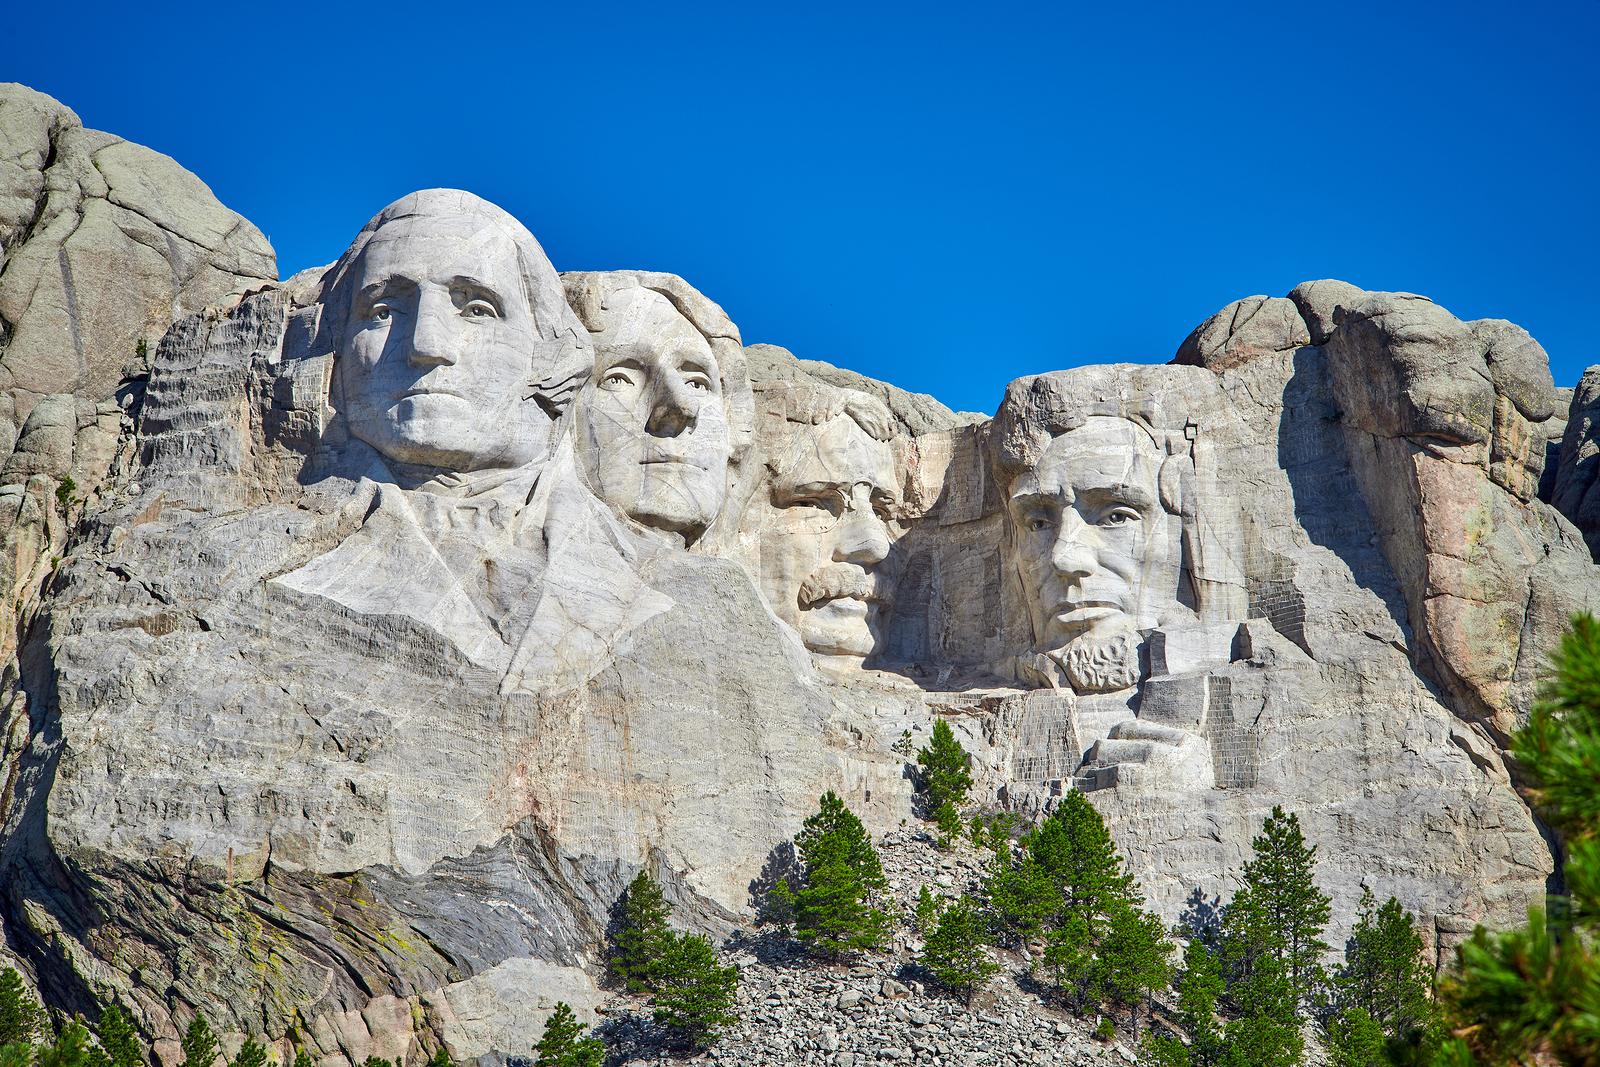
x,y
422,601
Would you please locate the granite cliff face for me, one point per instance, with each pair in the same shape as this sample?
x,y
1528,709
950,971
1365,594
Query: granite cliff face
x,y
402,612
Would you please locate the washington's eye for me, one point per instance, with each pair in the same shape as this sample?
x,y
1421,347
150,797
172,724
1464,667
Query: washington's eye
x,y
699,385
479,309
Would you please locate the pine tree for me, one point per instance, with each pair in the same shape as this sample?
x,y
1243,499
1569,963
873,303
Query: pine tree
x,y
199,1044
1104,944
1022,894
563,1045
696,993
641,935
1135,955
1385,975
252,1054
954,952
302,1058
21,1020
70,1049
833,912
944,768
1279,878
1533,993
1199,985
440,1058
118,1039
926,911
1355,1039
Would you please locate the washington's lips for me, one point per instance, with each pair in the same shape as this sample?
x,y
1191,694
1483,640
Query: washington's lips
x,y
837,581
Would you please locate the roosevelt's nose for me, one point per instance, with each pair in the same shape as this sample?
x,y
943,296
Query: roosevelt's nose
x,y
673,409
860,537
433,342
1071,556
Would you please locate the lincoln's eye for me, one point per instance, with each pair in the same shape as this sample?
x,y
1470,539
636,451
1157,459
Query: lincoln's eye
x,y
1120,517
479,309
381,312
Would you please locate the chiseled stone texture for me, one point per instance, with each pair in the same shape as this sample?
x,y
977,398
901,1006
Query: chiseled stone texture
x,y
237,782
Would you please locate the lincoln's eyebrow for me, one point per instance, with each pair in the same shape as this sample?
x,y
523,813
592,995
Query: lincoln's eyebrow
x,y
1128,492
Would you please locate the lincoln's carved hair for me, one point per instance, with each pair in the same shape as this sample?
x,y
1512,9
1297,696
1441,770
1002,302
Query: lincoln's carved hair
x,y
563,354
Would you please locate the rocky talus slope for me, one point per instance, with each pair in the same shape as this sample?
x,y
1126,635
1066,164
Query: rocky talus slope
x,y
882,1007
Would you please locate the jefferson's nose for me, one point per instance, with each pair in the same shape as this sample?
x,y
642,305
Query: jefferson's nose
x,y
860,536
1070,556
674,410
433,342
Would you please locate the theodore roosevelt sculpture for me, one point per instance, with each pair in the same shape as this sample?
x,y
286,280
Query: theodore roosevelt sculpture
x,y
824,513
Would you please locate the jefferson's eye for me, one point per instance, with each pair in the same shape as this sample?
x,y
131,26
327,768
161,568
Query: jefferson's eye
x,y
480,309
616,379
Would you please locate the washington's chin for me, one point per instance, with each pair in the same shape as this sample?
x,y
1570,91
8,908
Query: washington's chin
x,y
841,627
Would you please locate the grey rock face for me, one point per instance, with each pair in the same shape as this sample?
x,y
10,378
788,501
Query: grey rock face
x,y
344,706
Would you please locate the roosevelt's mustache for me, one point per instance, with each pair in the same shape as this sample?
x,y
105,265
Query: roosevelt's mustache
x,y
834,580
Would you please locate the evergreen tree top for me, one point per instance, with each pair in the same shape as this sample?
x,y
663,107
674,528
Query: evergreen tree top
x,y
835,835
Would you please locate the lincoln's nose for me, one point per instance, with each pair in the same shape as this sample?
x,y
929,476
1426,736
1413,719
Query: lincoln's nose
x,y
1070,556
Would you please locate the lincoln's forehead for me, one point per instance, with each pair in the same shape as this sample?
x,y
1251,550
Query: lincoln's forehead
x,y
1104,453
839,453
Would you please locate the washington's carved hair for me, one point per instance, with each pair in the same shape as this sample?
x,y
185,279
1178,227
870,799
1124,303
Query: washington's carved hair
x,y
563,354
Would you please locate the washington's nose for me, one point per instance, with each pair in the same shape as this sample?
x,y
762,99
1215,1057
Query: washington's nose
x,y
861,536
674,410
432,341
1071,556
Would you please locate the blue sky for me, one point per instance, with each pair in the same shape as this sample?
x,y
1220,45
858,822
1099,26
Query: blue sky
x,y
946,196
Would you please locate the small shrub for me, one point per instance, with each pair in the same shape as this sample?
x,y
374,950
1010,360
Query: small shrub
x,y
563,1043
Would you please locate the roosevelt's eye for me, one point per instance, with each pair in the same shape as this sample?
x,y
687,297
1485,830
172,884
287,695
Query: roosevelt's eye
x,y
480,309
1037,523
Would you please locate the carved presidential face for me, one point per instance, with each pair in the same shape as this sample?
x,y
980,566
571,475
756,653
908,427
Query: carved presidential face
x,y
824,536
437,344
654,422
1097,553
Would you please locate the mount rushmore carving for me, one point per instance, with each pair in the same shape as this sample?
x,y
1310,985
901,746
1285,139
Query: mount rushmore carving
x,y
408,607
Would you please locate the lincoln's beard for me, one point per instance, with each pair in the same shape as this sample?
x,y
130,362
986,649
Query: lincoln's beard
x,y
1100,665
